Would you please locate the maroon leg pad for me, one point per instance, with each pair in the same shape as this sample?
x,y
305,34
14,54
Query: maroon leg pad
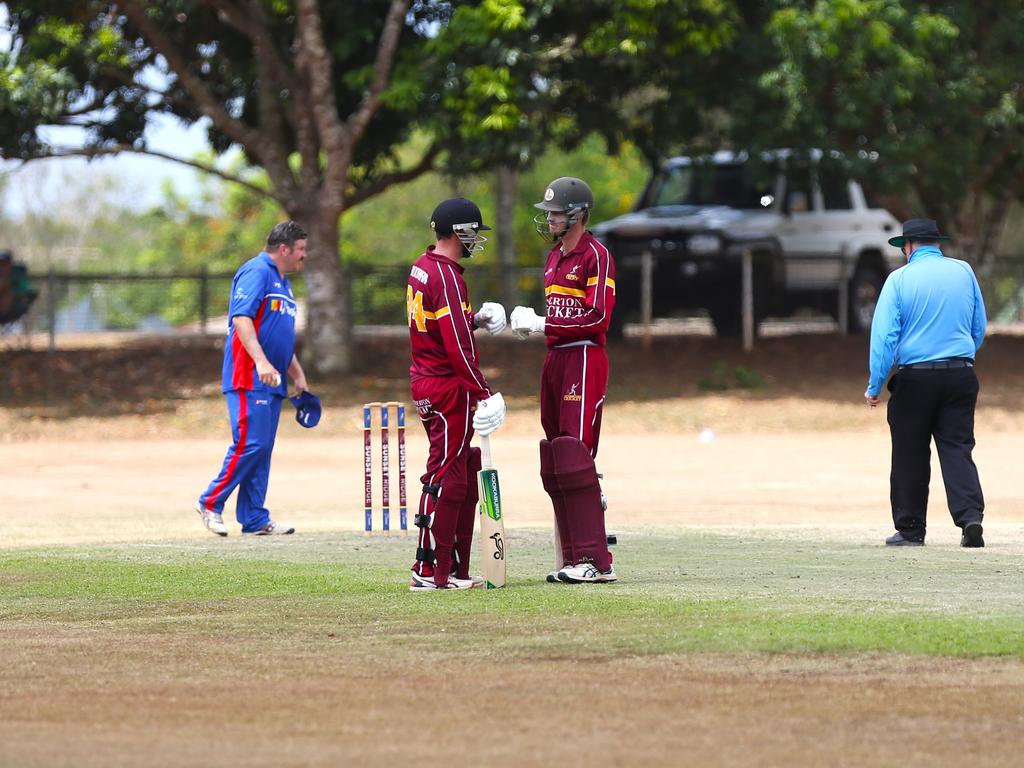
x,y
581,493
442,530
550,482
467,517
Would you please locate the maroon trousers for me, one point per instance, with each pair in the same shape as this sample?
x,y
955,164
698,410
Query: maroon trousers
x,y
447,509
573,385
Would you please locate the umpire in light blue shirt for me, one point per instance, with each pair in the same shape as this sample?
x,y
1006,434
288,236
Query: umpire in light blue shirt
x,y
929,323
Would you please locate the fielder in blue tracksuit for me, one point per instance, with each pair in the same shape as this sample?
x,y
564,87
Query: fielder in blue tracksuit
x,y
260,349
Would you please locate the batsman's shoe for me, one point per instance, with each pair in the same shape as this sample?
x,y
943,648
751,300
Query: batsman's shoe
x,y
419,583
586,573
271,529
212,520
454,583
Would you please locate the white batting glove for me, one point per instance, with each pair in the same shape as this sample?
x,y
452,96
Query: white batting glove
x,y
490,413
491,317
525,321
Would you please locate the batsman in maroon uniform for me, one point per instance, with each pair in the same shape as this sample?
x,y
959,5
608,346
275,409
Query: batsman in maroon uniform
x,y
579,291
450,394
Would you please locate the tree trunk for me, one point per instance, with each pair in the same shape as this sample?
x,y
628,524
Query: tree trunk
x,y
328,334
506,189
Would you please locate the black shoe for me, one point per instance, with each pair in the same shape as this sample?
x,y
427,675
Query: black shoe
x,y
972,536
899,540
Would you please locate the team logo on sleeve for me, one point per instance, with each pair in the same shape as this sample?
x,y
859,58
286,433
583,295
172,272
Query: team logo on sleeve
x,y
418,273
571,395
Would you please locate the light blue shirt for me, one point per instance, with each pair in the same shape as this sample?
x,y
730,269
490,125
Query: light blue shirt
x,y
930,309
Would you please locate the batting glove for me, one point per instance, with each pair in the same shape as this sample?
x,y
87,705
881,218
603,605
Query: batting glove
x,y
490,413
491,317
525,321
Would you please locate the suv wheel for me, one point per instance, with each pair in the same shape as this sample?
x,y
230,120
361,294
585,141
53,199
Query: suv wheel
x,y
864,289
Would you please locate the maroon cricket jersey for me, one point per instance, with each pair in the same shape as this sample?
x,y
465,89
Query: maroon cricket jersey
x,y
579,293
441,324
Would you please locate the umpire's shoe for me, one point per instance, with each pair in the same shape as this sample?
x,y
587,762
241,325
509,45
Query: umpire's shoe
x,y
972,536
899,540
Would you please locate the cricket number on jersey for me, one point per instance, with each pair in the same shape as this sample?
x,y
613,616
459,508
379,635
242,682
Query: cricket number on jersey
x,y
414,307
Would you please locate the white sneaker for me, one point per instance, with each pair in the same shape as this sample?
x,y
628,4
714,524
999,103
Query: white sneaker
x,y
426,584
271,529
212,520
586,573
478,581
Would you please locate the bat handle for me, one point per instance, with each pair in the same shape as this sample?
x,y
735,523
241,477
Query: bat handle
x,y
485,451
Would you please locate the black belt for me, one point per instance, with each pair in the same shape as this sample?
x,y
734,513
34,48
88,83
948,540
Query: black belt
x,y
940,365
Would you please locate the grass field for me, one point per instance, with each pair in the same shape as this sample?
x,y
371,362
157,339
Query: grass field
x,y
758,620
309,650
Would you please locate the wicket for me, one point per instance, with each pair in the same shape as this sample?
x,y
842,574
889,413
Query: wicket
x,y
385,463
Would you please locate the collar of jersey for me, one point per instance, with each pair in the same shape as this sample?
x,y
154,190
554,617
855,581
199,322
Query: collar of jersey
x,y
584,241
925,251
431,253
267,258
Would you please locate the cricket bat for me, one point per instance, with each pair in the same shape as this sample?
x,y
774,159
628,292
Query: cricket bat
x,y
492,524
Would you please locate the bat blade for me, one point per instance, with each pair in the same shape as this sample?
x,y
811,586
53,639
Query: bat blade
x,y
492,521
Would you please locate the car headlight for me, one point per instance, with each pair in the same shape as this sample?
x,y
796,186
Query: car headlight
x,y
704,244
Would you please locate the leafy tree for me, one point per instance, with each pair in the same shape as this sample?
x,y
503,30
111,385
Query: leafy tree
x,y
317,95
932,87
322,95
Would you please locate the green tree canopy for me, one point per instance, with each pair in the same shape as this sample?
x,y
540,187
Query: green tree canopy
x,y
925,97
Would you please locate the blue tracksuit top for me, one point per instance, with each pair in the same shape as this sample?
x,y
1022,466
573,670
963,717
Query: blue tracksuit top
x,y
929,309
261,292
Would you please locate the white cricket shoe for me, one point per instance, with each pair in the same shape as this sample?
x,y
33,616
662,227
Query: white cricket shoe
x,y
271,529
426,583
586,573
212,520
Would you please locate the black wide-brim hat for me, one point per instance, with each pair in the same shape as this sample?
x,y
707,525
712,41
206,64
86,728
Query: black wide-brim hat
x,y
918,229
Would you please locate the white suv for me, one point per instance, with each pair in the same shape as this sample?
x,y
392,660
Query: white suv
x,y
808,226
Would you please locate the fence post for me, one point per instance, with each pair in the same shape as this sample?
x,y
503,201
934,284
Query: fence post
x,y
646,298
51,307
748,301
203,298
844,293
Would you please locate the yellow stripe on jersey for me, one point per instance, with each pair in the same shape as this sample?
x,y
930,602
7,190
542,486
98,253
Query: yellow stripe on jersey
x,y
609,283
442,312
562,290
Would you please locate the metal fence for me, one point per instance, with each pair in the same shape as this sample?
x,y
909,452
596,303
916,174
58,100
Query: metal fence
x,y
197,302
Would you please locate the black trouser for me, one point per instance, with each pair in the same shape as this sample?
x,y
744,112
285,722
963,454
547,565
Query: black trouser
x,y
926,404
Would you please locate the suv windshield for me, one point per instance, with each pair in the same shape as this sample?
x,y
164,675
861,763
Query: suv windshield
x,y
736,185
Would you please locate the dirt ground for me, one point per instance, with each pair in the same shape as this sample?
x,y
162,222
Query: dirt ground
x,y
114,445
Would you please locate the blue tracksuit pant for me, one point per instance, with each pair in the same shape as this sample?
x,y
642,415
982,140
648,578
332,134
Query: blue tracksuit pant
x,y
254,417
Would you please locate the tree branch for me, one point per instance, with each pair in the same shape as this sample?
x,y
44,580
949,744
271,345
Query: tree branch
x,y
208,105
116,149
334,136
380,184
381,69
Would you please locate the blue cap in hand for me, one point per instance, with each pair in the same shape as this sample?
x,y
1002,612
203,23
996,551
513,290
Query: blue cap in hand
x,y
307,409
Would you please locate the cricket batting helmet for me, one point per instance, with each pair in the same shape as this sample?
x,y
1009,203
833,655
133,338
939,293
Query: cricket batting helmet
x,y
460,217
567,195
